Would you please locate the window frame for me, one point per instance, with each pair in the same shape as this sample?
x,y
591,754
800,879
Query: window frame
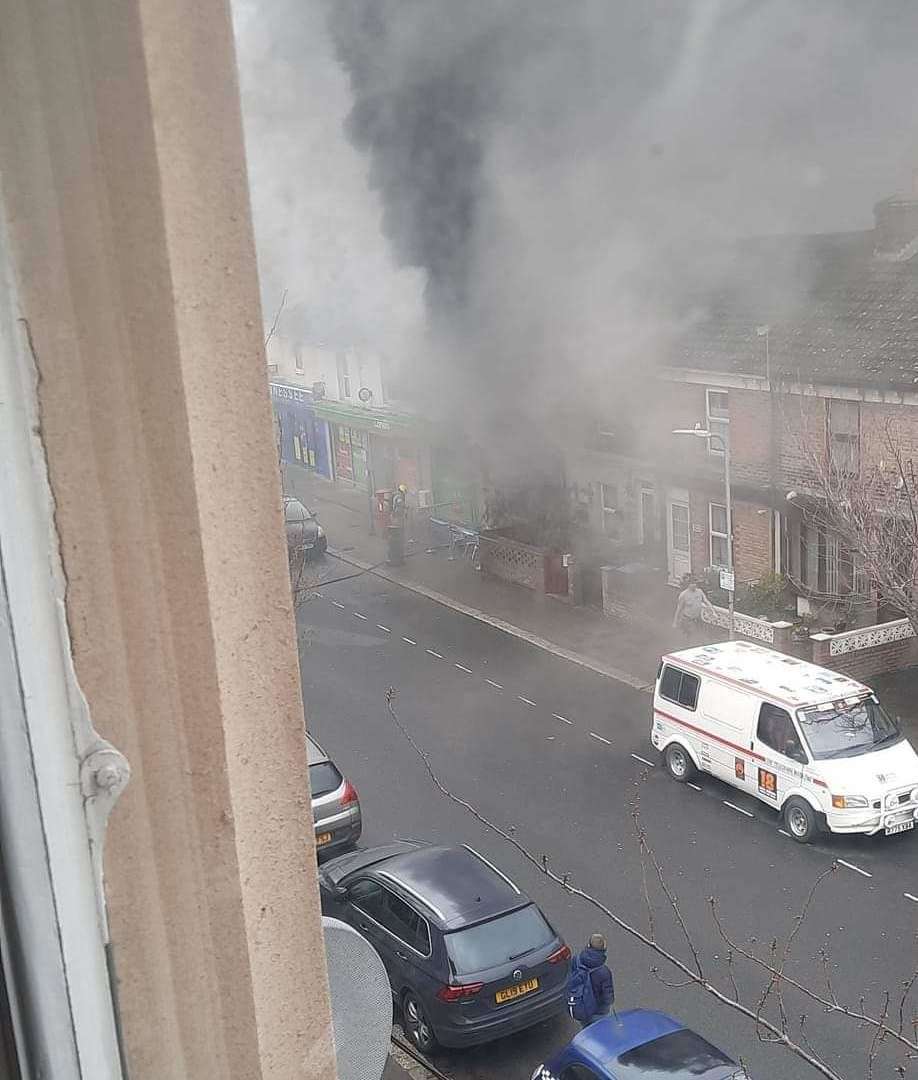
x,y
712,533
611,516
683,675
385,890
848,460
718,420
804,758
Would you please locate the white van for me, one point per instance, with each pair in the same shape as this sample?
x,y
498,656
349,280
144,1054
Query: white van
x,y
814,744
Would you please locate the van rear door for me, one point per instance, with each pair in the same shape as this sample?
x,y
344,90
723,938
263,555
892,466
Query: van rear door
x,y
728,717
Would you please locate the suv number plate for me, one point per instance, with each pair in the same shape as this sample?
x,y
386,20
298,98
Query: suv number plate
x,y
510,993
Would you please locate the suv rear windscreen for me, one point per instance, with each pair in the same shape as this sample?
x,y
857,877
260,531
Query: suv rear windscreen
x,y
498,941
323,778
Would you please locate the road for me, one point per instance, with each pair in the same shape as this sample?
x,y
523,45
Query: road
x,y
563,754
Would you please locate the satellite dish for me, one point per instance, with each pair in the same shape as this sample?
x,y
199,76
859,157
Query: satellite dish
x,y
365,394
361,1002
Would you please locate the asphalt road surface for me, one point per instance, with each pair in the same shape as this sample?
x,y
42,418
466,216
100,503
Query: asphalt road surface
x,y
564,755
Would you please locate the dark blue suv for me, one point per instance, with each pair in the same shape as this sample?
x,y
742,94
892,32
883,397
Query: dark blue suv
x,y
470,958
639,1045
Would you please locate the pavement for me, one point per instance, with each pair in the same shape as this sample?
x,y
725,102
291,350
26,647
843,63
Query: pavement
x,y
561,751
627,652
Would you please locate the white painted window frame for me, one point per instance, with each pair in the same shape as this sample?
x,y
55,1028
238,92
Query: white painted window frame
x,y
57,974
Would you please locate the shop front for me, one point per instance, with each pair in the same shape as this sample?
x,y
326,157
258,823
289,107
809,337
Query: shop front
x,y
303,437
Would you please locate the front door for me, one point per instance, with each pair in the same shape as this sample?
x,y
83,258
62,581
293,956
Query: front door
x,y
679,542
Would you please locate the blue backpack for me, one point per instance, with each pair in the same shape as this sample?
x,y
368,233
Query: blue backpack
x,y
581,997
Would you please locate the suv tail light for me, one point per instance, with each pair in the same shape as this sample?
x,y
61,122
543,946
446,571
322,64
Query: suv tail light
x,y
349,795
458,993
560,955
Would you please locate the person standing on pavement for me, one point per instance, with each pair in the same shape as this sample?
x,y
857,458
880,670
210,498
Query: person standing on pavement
x,y
591,990
690,607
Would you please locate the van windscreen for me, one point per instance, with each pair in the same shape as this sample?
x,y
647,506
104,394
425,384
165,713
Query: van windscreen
x,y
846,730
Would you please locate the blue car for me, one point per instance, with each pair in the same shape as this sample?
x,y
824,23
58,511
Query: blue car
x,y
639,1045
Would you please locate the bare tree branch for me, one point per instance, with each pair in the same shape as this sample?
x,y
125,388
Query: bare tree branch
x,y
277,314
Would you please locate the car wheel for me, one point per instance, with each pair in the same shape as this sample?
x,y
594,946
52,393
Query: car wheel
x,y
800,819
417,1026
678,763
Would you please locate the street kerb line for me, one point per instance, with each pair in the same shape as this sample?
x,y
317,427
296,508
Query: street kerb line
x,y
738,809
643,760
600,738
606,670
851,866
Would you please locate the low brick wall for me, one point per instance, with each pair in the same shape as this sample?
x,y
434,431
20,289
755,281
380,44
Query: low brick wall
x,y
512,561
873,650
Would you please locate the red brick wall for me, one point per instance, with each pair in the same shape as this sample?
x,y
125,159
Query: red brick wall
x,y
865,663
752,541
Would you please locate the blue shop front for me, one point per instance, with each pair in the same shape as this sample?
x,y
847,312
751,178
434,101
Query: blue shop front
x,y
303,438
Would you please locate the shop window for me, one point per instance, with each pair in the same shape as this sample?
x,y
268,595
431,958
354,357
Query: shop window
x,y
719,546
718,419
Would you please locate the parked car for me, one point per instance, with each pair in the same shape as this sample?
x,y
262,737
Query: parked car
x,y
470,957
639,1045
304,533
335,806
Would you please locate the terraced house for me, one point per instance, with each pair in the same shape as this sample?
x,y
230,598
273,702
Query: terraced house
x,y
805,360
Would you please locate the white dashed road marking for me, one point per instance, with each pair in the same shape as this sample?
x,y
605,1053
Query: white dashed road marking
x,y
408,641
784,832
461,667
738,809
525,700
908,896
436,654
357,615
695,786
856,869
563,719
335,602
496,685
599,738
379,626
643,760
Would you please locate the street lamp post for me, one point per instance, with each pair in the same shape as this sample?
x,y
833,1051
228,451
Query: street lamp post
x,y
703,433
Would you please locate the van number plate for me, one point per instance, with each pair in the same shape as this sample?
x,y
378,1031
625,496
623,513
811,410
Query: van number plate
x,y
903,826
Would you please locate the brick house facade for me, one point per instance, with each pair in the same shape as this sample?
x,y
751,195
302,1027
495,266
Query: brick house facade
x,y
827,375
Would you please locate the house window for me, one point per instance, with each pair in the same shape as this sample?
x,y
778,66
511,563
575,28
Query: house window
x,y
344,377
843,424
718,418
717,521
610,515
830,564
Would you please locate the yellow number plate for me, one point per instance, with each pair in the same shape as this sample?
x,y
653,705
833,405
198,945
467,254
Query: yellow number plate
x,y
323,838
510,993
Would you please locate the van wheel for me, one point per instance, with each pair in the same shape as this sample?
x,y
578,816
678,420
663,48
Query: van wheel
x,y
800,819
678,763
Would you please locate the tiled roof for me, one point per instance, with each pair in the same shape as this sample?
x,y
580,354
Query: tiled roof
x,y
835,313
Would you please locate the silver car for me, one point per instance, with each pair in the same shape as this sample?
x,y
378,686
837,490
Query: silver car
x,y
335,806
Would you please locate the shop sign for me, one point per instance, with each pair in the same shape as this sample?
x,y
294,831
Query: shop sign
x,y
289,393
